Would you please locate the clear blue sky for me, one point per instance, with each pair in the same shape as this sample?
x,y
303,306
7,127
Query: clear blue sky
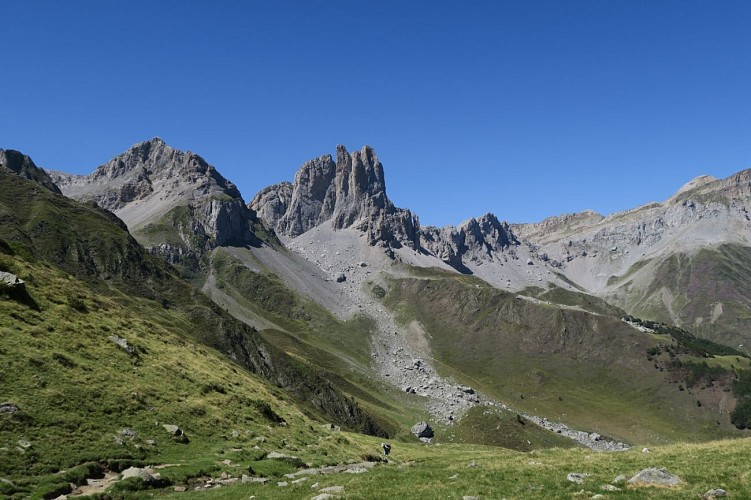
x,y
525,108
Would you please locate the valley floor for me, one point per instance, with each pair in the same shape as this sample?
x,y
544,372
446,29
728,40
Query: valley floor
x,y
461,471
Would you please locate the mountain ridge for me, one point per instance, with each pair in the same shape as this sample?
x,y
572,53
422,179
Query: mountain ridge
x,y
585,251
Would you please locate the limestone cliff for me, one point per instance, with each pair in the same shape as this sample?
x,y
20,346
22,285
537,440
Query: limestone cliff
x,y
474,240
348,192
174,202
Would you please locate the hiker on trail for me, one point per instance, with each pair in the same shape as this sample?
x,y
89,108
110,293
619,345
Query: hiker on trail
x,y
386,448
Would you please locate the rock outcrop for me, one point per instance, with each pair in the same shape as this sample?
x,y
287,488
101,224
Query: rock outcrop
x,y
22,165
351,192
174,202
475,240
348,192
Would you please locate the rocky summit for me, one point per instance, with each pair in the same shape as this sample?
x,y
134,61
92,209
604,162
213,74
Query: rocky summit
x,y
348,192
174,202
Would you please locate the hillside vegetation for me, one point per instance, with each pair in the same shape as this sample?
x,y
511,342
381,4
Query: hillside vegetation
x,y
705,291
589,370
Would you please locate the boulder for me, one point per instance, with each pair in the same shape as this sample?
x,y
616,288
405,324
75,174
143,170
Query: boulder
x,y
341,278
8,407
576,477
715,493
142,474
10,281
123,344
275,455
127,431
173,429
655,476
422,430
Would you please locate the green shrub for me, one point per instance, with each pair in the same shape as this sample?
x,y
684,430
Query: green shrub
x,y
741,416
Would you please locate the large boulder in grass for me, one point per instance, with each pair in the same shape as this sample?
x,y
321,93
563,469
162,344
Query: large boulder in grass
x,y
141,474
655,476
422,430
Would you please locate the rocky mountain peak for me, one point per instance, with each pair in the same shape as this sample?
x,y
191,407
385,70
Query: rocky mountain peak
x,y
477,239
173,201
143,170
348,192
22,165
695,183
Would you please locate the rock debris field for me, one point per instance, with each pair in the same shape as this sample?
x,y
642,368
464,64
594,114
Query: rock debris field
x,y
400,354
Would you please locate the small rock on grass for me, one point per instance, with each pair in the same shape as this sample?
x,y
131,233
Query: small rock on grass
x,y
275,455
173,429
333,489
356,470
653,475
8,407
576,477
715,493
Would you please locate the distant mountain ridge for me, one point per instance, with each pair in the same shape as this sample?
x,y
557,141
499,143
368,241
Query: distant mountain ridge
x,y
181,207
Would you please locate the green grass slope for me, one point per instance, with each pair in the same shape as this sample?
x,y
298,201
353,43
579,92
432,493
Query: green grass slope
x,y
591,371
83,399
707,292
337,349
88,285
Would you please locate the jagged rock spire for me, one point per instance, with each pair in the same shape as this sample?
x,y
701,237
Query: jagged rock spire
x,y
348,192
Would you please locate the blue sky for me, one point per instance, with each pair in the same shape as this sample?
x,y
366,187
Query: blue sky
x,y
526,108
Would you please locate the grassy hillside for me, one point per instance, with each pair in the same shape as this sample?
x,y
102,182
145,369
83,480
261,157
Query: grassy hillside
x,y
338,349
82,398
707,292
591,371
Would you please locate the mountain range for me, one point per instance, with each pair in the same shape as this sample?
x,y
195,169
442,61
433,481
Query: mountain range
x,y
643,260
611,331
